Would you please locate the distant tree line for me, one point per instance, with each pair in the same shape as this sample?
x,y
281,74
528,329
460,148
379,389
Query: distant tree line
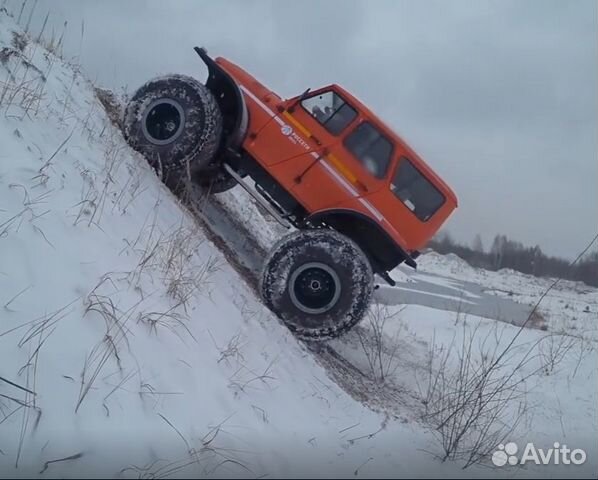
x,y
507,253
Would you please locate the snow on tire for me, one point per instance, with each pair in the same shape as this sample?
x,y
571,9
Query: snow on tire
x,y
318,282
175,122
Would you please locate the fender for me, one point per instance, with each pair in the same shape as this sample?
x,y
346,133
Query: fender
x,y
230,100
371,237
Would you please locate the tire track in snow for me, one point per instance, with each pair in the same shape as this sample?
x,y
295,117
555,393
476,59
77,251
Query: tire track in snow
x,y
246,256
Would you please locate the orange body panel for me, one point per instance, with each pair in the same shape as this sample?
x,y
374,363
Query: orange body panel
x,y
294,145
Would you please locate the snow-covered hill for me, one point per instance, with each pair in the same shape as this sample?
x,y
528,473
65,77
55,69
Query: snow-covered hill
x,y
130,347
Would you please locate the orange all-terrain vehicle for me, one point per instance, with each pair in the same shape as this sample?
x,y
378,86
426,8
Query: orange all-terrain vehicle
x,y
362,200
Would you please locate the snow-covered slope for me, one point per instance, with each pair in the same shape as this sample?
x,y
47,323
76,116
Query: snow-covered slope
x,y
144,349
134,349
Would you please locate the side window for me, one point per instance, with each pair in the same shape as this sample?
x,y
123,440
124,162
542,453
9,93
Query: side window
x,y
371,148
330,110
416,192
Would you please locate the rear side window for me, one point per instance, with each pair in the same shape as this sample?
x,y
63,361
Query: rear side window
x,y
371,148
416,191
330,110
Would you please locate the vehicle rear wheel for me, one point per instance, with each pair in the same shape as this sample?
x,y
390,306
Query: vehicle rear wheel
x,y
318,282
176,123
214,179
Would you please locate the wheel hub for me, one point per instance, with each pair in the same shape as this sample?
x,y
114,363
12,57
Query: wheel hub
x,y
163,121
314,288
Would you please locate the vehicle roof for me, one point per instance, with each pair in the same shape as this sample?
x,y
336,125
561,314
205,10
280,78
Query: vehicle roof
x,y
392,135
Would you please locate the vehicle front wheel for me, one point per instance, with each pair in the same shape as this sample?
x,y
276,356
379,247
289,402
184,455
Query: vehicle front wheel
x,y
175,122
318,282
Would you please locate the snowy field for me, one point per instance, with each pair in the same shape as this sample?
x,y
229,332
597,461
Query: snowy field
x,y
129,347
570,307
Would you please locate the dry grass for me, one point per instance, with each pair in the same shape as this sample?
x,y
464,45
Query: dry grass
x,y
22,90
380,350
33,339
204,457
245,378
170,255
233,351
472,402
476,392
32,209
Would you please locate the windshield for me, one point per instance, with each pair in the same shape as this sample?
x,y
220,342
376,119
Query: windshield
x,y
415,191
330,110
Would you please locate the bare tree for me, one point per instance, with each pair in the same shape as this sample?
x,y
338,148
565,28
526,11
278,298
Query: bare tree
x,y
478,245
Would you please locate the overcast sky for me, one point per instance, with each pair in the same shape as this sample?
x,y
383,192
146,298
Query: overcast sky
x,y
499,97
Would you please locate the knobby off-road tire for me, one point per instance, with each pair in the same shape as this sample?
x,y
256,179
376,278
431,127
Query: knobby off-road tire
x,y
318,282
175,122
